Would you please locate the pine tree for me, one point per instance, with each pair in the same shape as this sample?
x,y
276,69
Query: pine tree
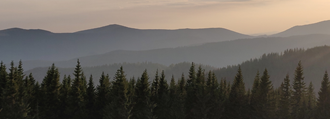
x,y
190,92
311,101
298,92
215,101
285,99
172,88
265,101
78,92
143,108
323,102
30,94
255,95
120,106
162,109
64,97
90,98
154,88
236,108
51,94
103,92
13,106
181,97
131,90
3,80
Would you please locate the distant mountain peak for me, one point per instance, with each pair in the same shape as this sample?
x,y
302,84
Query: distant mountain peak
x,y
108,28
322,27
16,30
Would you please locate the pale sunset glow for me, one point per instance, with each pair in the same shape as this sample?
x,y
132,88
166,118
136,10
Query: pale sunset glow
x,y
244,16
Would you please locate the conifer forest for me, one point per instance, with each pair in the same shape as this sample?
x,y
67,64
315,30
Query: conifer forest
x,y
201,96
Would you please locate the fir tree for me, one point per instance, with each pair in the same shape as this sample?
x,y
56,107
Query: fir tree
x,y
265,101
298,92
90,98
236,107
154,88
64,97
30,94
323,102
255,95
162,109
13,106
3,80
143,108
285,99
311,101
120,106
78,91
103,92
51,94
190,90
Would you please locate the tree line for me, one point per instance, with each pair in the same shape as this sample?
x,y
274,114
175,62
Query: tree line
x,y
201,96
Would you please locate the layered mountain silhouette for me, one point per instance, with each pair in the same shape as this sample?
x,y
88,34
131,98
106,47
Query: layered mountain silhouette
x,y
36,44
217,54
315,62
316,28
117,44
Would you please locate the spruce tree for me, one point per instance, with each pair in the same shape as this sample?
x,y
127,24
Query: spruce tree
x,y
236,108
90,98
214,104
255,95
162,103
190,92
120,106
64,97
30,94
323,102
50,104
102,98
3,80
131,90
298,92
264,100
181,97
311,101
154,88
143,108
13,106
78,90
285,99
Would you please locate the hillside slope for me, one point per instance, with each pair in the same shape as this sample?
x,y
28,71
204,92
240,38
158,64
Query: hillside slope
x,y
131,70
36,44
218,54
315,62
316,28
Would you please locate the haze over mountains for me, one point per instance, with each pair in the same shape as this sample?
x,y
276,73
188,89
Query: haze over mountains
x,y
39,48
38,44
315,62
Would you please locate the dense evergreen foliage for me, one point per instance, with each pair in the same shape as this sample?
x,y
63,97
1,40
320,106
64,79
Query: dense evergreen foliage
x,y
201,96
315,60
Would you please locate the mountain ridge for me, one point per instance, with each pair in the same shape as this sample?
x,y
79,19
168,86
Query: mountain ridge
x,y
322,27
65,46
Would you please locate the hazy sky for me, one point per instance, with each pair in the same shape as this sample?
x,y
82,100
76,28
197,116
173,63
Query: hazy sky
x,y
244,16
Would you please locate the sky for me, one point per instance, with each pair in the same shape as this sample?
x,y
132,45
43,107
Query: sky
x,y
244,16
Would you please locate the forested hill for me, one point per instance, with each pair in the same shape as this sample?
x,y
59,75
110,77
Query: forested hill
x,y
315,62
131,70
217,54
36,44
